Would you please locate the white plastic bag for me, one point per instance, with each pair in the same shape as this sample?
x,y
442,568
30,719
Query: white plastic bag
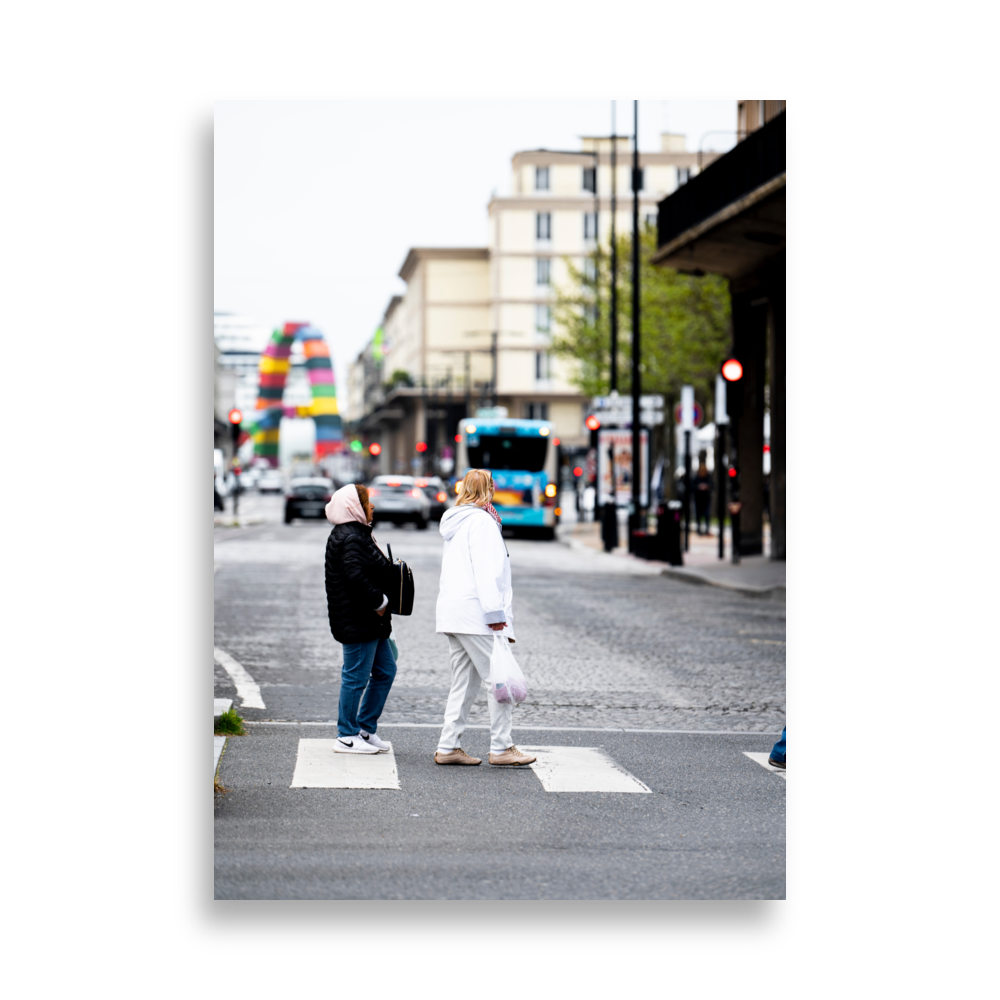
x,y
506,680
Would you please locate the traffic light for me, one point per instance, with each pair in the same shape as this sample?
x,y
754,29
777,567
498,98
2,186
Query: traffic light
x,y
593,423
732,372
235,420
421,446
374,448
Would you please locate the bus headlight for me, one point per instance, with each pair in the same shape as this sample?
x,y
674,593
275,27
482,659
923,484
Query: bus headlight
x,y
550,490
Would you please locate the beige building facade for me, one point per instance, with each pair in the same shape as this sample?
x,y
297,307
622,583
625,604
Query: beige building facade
x,y
475,326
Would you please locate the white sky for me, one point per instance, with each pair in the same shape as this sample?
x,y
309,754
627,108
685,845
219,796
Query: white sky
x,y
317,203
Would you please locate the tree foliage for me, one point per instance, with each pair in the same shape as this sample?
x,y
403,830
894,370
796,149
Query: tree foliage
x,y
684,325
400,377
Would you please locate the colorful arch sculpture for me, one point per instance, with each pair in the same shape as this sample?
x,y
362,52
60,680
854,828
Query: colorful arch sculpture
x,y
274,365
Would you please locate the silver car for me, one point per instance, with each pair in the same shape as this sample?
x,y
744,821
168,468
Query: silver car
x,y
398,499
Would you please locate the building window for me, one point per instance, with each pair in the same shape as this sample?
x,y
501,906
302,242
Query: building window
x,y
543,319
651,219
542,369
543,225
590,269
543,271
590,225
683,175
640,177
536,411
590,179
541,178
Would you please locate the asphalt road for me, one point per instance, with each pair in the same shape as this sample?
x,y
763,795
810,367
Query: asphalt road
x,y
606,644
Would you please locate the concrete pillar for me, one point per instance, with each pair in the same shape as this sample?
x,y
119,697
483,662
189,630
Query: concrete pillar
x,y
750,315
776,344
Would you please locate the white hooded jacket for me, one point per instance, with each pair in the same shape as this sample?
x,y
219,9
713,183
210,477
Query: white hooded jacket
x,y
475,588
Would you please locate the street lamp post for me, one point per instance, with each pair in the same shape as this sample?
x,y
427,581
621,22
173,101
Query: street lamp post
x,y
614,254
635,514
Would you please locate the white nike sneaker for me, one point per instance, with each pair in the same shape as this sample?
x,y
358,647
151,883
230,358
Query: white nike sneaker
x,y
373,741
353,744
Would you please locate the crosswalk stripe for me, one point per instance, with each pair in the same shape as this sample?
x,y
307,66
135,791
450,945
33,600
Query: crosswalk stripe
x,y
317,766
582,769
761,758
246,687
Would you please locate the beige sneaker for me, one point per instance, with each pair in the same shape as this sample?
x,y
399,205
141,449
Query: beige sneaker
x,y
456,756
511,756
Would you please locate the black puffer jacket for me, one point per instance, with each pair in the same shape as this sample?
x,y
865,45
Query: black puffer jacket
x,y
356,573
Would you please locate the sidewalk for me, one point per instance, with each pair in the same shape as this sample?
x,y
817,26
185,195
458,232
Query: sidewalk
x,y
755,576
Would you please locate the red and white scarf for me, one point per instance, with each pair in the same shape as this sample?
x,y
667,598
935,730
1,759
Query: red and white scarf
x,y
492,511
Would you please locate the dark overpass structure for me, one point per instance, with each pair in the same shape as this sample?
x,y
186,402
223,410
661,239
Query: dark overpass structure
x,y
730,220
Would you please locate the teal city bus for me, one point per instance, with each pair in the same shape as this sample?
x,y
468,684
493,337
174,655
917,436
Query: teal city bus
x,y
521,458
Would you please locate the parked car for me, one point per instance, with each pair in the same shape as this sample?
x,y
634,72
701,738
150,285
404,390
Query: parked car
x,y
398,499
436,490
271,481
307,497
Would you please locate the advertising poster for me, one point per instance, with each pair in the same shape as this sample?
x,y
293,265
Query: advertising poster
x,y
614,448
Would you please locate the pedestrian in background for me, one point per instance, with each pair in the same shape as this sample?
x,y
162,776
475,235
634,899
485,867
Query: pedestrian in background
x,y
474,603
702,488
359,619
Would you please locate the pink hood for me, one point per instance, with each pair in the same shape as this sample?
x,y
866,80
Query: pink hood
x,y
345,506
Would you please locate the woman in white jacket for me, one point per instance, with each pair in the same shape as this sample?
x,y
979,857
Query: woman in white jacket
x,y
473,603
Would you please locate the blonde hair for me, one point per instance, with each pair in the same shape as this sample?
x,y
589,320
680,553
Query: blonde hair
x,y
475,488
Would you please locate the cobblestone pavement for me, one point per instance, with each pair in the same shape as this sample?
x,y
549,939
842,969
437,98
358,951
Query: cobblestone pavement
x,y
603,641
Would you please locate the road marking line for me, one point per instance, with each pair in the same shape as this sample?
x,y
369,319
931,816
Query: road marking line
x,y
761,758
220,742
317,766
532,729
582,769
246,686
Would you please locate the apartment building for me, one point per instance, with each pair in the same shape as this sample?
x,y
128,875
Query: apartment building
x,y
475,325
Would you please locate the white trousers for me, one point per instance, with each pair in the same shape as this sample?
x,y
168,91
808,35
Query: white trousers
x,y
470,667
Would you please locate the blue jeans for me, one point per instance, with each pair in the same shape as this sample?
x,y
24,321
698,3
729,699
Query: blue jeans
x,y
366,664
778,750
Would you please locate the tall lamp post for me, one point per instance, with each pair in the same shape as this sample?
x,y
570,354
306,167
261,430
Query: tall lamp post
x,y
635,514
614,253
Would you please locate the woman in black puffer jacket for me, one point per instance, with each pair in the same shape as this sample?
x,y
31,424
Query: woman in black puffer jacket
x,y
360,620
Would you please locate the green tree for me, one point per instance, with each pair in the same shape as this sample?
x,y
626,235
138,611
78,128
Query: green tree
x,y
400,377
684,323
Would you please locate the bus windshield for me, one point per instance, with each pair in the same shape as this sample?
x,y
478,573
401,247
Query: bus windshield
x,y
521,454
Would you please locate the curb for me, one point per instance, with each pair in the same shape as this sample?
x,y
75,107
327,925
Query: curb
x,y
774,592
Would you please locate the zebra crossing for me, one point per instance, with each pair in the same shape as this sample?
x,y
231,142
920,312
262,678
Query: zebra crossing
x,y
558,768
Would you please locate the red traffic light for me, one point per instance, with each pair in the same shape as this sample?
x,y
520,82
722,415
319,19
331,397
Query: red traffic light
x,y
593,423
374,448
732,472
458,437
556,442
421,446
235,416
578,471
732,370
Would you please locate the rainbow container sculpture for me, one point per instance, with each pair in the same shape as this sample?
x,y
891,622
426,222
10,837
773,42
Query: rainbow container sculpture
x,y
274,364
